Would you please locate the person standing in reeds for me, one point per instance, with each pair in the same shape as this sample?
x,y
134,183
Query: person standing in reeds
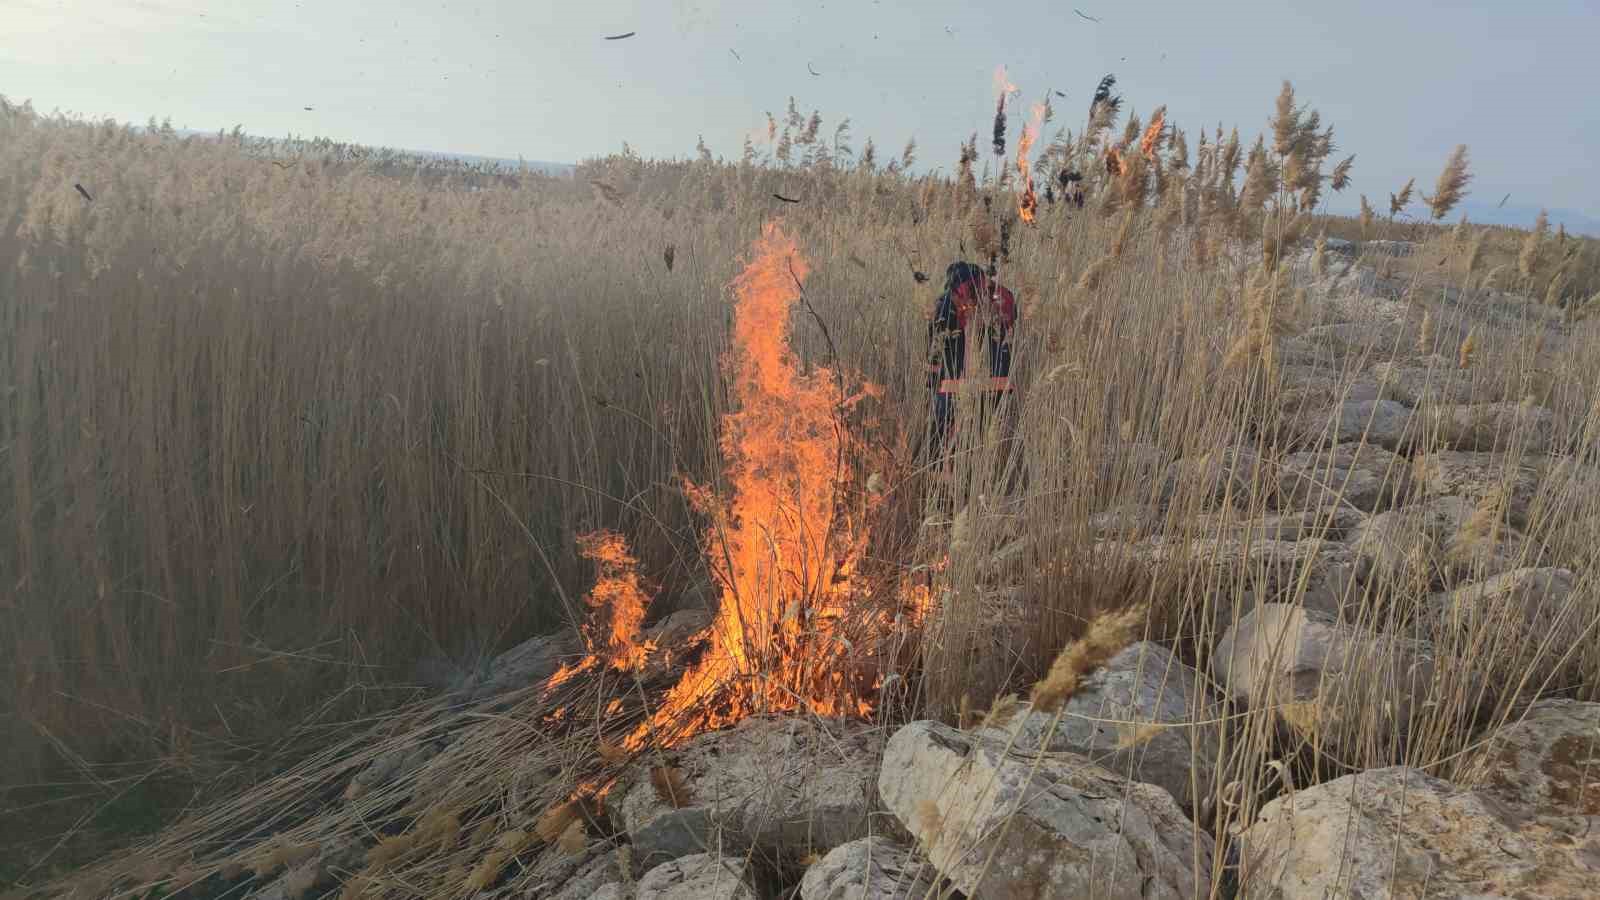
x,y
975,304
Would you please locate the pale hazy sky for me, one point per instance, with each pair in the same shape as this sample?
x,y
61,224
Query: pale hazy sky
x,y
1402,81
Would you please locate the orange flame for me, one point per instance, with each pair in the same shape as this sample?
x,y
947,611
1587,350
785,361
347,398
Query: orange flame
x,y
783,545
618,601
1002,84
1152,135
1028,205
1115,164
616,591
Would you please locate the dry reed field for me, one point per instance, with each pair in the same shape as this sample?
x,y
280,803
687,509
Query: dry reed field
x,y
298,441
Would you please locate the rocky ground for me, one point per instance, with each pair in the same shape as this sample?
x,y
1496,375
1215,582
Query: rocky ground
x,y
1116,796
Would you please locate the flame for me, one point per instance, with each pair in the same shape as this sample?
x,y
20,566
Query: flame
x,y
1002,84
616,591
799,626
618,601
1029,203
1152,134
1115,164
783,543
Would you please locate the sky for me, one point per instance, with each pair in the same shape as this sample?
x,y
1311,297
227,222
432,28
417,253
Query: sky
x,y
1401,81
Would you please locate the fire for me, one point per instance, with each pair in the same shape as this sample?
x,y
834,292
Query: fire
x,y
618,592
1115,164
618,601
787,541
1151,141
1028,205
1002,84
800,625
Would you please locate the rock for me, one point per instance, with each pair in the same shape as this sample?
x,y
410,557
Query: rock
x,y
1389,248
1322,675
676,629
766,782
1426,543
528,663
592,879
1528,828
1230,476
1331,523
1002,825
1142,685
676,635
1547,760
702,876
1415,385
1347,339
1477,477
611,891
1128,521
1531,615
1125,467
1393,833
336,858
1307,386
388,768
1495,426
1320,574
1387,424
873,868
1350,475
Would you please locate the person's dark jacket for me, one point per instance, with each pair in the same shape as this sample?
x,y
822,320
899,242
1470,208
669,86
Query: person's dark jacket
x,y
971,301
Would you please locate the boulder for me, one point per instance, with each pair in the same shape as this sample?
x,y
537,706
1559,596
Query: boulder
x,y
801,785
1417,383
334,860
1322,675
1529,828
1347,476
1384,423
526,664
602,873
1230,476
390,767
1477,477
873,868
1321,574
1549,760
1116,718
1347,339
1001,825
1330,523
1495,426
701,876
1127,521
674,637
1429,544
1393,833
1389,248
1341,246
1529,616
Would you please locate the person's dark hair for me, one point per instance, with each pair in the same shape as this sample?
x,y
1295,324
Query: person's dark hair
x,y
959,272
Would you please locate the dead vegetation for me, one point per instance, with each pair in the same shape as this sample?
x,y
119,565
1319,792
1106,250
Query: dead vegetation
x,y
273,435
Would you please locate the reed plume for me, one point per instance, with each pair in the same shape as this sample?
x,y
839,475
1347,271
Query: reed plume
x,y
1400,201
1451,186
1108,633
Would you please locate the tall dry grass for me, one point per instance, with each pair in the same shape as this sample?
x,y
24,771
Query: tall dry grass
x,y
282,430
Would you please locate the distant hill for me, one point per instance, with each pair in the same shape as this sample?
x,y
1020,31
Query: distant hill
x,y
1482,211
544,167
537,165
1485,212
